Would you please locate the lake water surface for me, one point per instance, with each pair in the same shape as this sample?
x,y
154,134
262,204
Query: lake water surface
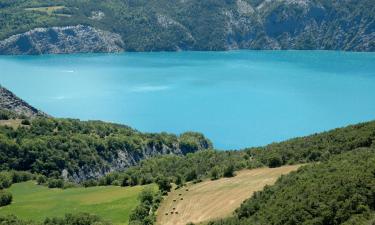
x,y
237,99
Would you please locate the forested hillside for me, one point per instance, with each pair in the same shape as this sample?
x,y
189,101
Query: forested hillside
x,y
215,164
338,191
155,25
78,150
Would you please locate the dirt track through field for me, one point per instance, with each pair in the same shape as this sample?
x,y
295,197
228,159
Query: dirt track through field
x,y
215,199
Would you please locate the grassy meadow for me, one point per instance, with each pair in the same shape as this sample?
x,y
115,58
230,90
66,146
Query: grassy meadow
x,y
112,203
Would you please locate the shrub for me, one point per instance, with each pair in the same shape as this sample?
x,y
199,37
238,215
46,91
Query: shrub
x,y
274,161
5,180
5,198
4,115
76,219
41,179
25,122
21,176
90,183
215,173
56,183
229,171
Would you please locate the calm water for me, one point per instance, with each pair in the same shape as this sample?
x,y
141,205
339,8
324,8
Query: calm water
x,y
237,99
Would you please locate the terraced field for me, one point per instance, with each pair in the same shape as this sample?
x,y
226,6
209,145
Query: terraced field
x,y
215,199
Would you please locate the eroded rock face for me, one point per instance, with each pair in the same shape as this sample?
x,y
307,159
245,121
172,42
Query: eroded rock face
x,y
125,159
11,102
62,40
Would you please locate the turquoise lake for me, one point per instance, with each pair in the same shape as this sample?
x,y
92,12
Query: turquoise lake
x,y
237,99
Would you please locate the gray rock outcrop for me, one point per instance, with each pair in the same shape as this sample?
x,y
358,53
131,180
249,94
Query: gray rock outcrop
x,y
11,102
62,40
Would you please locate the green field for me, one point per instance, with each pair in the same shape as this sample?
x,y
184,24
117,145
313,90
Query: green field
x,y
34,202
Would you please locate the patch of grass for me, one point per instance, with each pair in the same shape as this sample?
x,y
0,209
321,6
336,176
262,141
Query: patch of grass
x,y
15,123
34,202
49,10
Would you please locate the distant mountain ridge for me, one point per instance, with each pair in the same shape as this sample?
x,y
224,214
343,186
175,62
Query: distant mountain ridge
x,y
163,25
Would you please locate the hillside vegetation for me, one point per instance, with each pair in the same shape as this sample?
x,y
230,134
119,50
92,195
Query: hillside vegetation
x,y
77,150
215,164
338,191
155,25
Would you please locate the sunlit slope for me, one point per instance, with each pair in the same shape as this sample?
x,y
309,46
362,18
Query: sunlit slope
x,y
215,199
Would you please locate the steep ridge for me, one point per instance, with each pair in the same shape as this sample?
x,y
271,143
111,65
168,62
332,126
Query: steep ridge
x,y
80,150
11,102
153,25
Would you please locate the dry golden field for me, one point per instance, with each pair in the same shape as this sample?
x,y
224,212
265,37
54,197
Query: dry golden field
x,y
215,199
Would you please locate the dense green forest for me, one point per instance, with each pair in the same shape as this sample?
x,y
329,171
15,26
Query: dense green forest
x,y
338,191
154,25
215,164
77,150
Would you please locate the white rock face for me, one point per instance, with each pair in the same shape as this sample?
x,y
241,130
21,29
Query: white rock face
x,y
62,40
244,7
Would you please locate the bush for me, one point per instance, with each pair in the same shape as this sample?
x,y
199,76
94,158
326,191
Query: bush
x,y
5,180
5,198
41,179
274,161
13,220
25,122
21,176
56,183
229,171
4,115
90,183
76,219
215,173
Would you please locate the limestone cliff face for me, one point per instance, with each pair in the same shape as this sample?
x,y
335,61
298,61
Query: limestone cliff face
x,y
126,159
200,25
11,102
62,40
298,24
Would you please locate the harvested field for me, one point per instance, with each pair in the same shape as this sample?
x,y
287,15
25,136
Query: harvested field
x,y
215,199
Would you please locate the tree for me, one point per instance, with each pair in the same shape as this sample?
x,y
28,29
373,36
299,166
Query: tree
x,y
139,213
164,184
179,182
146,196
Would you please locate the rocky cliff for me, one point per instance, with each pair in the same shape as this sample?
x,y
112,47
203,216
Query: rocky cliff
x,y
164,25
59,40
11,102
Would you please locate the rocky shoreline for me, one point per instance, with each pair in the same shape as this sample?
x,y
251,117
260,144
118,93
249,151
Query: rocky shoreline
x,y
62,40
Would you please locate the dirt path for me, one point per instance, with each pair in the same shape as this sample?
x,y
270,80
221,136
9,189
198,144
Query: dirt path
x,y
215,199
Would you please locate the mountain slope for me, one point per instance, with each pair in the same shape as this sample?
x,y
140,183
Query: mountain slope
x,y
155,25
337,191
9,101
80,150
